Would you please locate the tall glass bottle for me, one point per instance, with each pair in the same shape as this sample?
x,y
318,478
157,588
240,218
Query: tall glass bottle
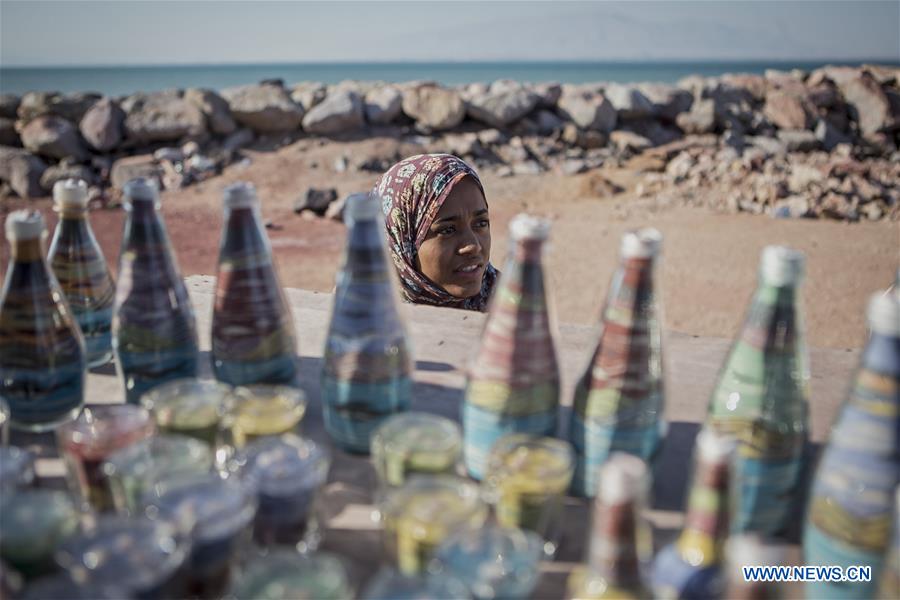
x,y
889,586
620,539
253,337
618,401
367,370
761,398
42,357
851,504
692,566
154,332
81,270
513,383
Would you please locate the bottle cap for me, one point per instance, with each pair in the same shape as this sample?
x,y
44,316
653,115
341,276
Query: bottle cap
x,y
782,266
714,447
362,207
26,224
529,227
621,478
70,193
750,549
240,195
142,188
884,314
641,243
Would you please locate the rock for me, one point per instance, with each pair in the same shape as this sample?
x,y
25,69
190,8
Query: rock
x,y
340,164
237,140
679,167
629,102
8,134
701,118
668,101
316,200
9,106
263,108
839,75
338,113
628,141
802,176
771,146
463,144
130,167
335,210
793,207
169,154
162,117
597,186
308,94
657,133
587,110
588,140
433,107
573,166
798,140
548,122
59,172
825,95
22,171
755,85
214,108
870,107
872,211
383,105
837,206
502,107
70,107
548,94
54,137
492,137
528,167
102,125
829,135
514,152
788,111
470,90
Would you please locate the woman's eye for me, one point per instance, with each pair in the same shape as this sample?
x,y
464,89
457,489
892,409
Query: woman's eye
x,y
449,230
483,223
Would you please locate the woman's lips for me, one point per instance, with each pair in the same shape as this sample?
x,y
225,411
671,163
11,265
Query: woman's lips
x,y
472,271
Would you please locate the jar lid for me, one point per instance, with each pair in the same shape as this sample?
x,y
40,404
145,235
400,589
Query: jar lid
x,y
240,195
621,478
390,584
287,575
103,428
23,225
417,432
188,403
435,498
34,521
529,227
16,467
541,459
70,193
161,455
884,314
782,266
641,243
284,465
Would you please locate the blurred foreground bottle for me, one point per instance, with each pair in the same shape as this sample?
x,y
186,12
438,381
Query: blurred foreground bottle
x,y
252,331
618,402
513,384
761,399
42,357
852,498
889,587
366,376
154,332
81,270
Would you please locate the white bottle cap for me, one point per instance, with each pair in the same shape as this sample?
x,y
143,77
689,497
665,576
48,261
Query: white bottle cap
x,y
240,195
621,478
750,550
142,188
362,207
70,193
781,266
642,243
528,227
714,447
24,225
884,314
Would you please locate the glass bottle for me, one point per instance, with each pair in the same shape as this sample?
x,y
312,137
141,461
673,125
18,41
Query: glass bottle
x,y
253,337
889,586
81,270
154,331
618,402
513,383
692,566
761,398
42,357
851,504
366,376
750,550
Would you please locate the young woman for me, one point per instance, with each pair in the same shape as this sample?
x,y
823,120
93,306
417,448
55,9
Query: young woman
x,y
439,231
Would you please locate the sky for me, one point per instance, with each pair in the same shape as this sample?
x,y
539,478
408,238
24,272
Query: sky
x,y
124,32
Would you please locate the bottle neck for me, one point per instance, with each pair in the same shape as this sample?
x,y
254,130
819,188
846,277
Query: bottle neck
x,y
706,523
527,251
27,250
614,545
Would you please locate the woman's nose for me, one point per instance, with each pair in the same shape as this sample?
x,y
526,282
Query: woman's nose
x,y
470,243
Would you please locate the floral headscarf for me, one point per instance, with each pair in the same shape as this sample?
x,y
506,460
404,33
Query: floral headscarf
x,y
412,192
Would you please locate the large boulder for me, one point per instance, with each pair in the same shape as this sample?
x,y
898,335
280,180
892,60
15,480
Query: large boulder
x,y
102,125
162,117
68,106
548,94
503,105
214,108
755,85
53,137
788,111
829,135
126,169
869,105
383,105
629,102
588,110
61,171
668,101
8,134
22,171
700,119
9,106
798,140
308,93
339,112
433,107
263,108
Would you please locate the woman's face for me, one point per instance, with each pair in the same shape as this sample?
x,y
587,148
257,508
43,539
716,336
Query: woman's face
x,y
457,248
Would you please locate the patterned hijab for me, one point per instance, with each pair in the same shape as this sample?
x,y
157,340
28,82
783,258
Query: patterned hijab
x,y
412,192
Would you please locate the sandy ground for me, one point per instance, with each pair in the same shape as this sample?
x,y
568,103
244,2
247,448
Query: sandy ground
x,y
709,263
